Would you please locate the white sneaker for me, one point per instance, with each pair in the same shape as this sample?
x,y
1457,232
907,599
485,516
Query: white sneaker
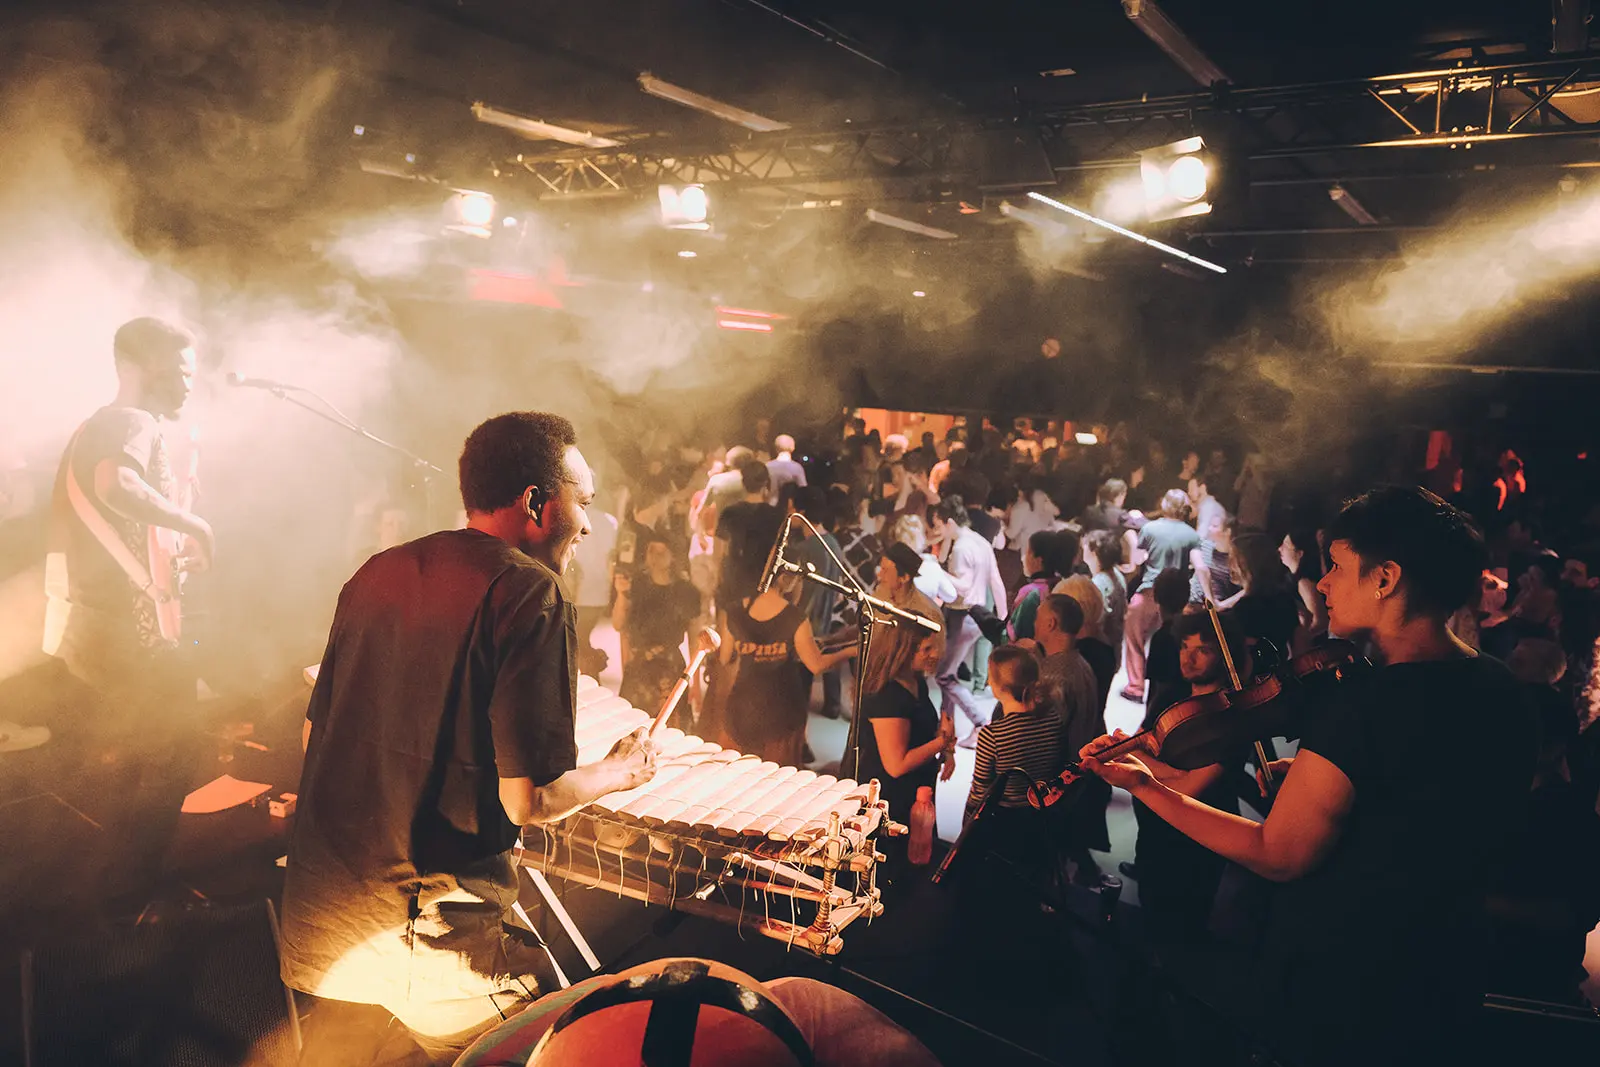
x,y
14,737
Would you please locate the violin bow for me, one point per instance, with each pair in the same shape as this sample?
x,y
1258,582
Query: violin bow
x,y
1233,678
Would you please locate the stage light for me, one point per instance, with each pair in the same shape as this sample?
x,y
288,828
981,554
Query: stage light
x,y
684,207
1114,228
727,112
536,130
907,225
1175,178
473,208
749,327
918,292
1086,438
509,221
360,131
1186,178
687,254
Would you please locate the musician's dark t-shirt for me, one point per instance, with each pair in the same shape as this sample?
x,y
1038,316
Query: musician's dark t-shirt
x,y
450,665
1388,932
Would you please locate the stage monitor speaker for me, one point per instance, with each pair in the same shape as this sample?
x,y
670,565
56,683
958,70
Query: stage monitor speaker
x,y
197,989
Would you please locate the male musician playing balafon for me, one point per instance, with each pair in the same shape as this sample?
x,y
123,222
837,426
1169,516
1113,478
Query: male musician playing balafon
x,y
112,604
441,721
1391,816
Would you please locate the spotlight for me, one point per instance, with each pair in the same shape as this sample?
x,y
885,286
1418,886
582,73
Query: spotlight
x,y
685,207
918,292
1186,178
509,221
475,209
687,254
1175,178
1085,438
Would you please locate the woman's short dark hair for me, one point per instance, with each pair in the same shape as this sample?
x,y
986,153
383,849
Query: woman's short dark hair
x,y
1439,551
510,452
1107,548
1041,544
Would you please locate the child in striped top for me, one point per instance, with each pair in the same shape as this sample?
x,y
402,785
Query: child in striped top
x,y
1025,732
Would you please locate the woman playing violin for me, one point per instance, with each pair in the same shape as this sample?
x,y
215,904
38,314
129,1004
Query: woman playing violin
x,y
1389,819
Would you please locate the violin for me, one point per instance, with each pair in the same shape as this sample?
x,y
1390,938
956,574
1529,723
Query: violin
x,y
1206,729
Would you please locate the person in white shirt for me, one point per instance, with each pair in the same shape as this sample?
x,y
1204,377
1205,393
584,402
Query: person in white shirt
x,y
783,468
1031,512
969,560
931,580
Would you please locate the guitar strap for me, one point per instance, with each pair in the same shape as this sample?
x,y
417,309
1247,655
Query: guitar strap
x,y
55,567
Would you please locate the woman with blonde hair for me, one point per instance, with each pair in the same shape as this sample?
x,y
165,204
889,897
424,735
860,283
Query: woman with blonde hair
x,y
1092,643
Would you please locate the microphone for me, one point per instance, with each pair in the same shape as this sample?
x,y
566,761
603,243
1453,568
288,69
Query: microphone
x,y
775,558
240,381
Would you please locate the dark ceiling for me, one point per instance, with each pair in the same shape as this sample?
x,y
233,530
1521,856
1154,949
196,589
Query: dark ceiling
x,y
932,110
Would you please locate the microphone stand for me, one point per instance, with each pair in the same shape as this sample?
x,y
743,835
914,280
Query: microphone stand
x,y
425,469
873,610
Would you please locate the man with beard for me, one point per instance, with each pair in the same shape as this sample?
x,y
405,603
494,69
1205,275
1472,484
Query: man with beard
x,y
110,616
441,722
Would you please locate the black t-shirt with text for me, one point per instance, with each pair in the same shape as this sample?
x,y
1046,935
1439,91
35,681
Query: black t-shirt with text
x,y
450,665
1388,928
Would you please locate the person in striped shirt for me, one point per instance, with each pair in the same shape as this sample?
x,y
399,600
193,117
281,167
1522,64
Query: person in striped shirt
x,y
1024,735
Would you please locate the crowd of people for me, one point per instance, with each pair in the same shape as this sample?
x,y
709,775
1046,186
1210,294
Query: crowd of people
x,y
1059,569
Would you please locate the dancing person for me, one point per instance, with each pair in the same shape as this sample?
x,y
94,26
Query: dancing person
x,y
1165,544
766,639
969,559
653,614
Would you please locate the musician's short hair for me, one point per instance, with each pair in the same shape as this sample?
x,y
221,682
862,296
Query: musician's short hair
x,y
510,452
1199,624
145,340
1439,551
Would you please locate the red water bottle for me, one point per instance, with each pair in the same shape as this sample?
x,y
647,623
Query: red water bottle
x,y
924,817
